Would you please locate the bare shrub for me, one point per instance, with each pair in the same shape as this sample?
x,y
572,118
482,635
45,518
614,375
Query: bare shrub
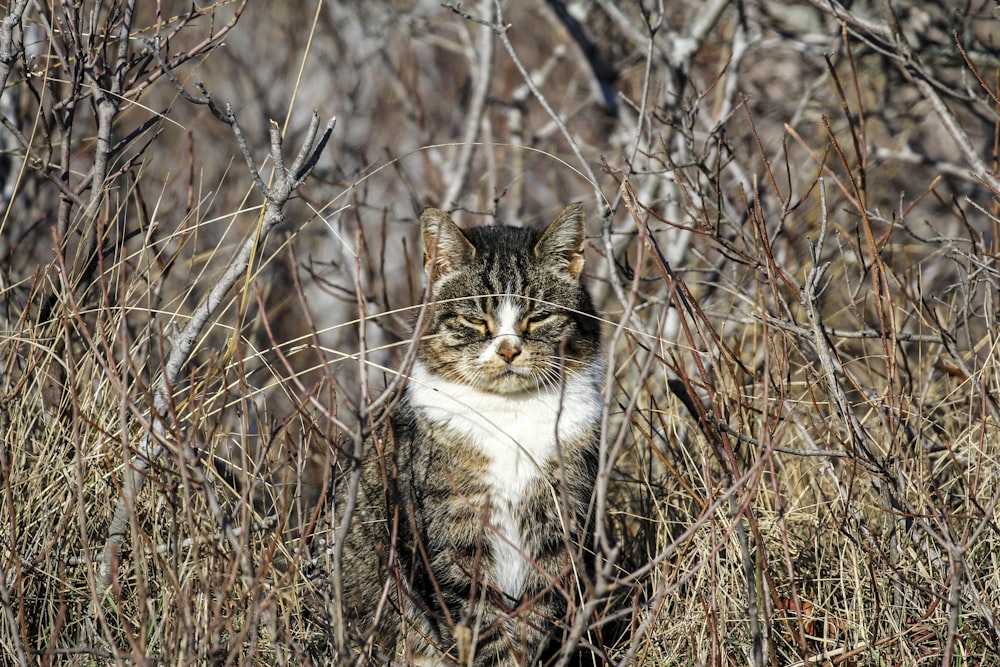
x,y
795,226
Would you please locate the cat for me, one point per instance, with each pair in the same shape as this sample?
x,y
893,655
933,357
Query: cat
x,y
474,499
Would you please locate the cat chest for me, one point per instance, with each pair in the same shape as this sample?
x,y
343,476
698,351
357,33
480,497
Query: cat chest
x,y
517,441
513,474
517,448
518,438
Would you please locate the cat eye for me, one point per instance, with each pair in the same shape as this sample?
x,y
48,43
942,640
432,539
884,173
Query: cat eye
x,y
471,321
540,318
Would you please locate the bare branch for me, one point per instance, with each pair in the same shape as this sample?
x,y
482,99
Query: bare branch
x,y
184,341
483,55
502,31
10,41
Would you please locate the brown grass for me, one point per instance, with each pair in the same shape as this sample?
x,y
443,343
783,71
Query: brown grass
x,y
795,235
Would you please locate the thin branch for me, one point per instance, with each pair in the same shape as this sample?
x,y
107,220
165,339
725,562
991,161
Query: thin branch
x,y
11,619
502,30
182,344
10,40
603,72
265,524
900,51
483,53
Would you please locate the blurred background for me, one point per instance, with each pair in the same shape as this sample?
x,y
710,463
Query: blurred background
x,y
793,246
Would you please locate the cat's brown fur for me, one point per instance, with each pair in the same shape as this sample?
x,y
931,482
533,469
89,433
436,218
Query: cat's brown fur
x,y
476,494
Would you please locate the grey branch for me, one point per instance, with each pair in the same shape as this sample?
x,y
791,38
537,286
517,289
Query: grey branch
x,y
896,47
181,344
502,31
10,41
474,119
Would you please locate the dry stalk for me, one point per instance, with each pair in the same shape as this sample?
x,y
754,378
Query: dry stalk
x,y
155,439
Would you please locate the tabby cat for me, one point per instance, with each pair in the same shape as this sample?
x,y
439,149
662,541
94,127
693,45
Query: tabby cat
x,y
475,497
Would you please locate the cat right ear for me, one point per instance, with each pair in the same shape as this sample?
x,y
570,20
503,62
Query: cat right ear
x,y
445,246
563,241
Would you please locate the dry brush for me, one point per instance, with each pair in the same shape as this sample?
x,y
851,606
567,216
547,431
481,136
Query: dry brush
x,y
794,241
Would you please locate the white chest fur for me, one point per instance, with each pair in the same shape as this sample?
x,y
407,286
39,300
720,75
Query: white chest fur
x,y
519,434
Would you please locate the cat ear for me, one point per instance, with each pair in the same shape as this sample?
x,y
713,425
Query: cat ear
x,y
564,239
446,247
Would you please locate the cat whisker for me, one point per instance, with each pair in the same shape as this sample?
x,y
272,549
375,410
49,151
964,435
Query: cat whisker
x,y
560,369
549,379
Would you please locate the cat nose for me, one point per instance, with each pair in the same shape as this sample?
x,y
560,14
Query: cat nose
x,y
509,349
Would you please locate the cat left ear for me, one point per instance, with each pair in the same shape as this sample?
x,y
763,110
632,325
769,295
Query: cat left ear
x,y
445,246
564,239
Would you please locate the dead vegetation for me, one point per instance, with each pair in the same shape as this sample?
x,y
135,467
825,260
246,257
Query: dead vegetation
x,y
795,232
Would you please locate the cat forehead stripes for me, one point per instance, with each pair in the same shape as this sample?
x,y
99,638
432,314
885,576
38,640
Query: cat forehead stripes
x,y
501,251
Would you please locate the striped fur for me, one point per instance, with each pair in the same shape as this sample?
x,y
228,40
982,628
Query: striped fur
x,y
474,500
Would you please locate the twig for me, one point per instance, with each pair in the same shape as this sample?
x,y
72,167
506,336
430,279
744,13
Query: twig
x,y
106,93
723,426
828,359
900,51
502,30
604,73
151,446
955,130
11,619
263,525
459,172
10,41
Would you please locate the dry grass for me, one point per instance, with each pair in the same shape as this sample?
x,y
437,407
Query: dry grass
x,y
795,235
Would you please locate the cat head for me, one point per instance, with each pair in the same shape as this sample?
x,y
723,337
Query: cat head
x,y
510,311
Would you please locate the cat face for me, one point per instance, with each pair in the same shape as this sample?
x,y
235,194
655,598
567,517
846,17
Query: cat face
x,y
510,312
